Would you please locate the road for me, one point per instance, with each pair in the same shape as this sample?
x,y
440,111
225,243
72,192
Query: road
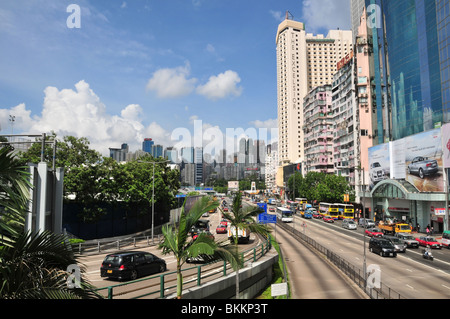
x,y
310,276
409,274
92,268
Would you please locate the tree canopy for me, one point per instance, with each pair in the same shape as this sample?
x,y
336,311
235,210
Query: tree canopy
x,y
90,178
320,186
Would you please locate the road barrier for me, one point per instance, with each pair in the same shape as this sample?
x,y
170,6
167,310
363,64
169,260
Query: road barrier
x,y
163,285
352,272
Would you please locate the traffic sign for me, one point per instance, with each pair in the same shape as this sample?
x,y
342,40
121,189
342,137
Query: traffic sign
x,y
279,289
267,219
263,206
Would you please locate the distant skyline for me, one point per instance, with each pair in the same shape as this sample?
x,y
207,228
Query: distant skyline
x,y
146,69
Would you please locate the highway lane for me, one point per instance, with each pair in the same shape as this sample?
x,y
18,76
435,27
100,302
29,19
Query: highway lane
x,y
310,275
92,265
408,274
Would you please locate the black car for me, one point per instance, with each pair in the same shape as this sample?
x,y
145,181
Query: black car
x,y
382,246
131,265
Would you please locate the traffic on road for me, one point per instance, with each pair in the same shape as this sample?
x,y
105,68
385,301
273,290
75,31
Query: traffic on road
x,y
411,262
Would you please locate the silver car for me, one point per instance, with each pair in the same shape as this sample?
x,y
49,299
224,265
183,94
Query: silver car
x,y
400,245
423,166
366,222
349,224
408,239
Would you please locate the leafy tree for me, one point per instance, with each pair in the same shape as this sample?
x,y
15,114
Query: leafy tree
x,y
242,218
321,187
94,180
176,240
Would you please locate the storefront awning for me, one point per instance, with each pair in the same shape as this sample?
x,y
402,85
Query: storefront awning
x,y
402,189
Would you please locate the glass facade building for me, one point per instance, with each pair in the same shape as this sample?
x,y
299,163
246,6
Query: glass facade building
x,y
407,84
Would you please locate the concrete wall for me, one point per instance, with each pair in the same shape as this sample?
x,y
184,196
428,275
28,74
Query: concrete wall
x,y
252,280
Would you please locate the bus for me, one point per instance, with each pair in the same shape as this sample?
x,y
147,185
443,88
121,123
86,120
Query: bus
x,y
329,209
346,211
285,215
291,204
301,201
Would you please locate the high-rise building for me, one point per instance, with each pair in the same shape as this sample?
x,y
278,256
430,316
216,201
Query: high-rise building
x,y
407,66
119,154
171,154
147,145
157,151
318,128
357,7
304,61
346,125
443,31
271,164
198,161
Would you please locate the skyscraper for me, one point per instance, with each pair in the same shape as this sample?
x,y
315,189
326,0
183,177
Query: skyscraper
x,y
304,61
147,145
407,67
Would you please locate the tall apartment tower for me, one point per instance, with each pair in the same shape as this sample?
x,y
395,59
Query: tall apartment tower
x,y
304,61
357,7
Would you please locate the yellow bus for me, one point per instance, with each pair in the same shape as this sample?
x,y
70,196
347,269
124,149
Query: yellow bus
x,y
346,211
329,209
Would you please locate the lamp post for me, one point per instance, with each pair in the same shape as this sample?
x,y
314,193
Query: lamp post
x,y
153,192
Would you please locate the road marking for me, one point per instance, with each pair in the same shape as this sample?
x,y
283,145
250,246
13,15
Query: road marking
x,y
446,287
409,286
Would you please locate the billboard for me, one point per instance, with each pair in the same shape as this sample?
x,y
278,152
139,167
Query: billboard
x,y
445,131
379,165
233,185
417,158
423,161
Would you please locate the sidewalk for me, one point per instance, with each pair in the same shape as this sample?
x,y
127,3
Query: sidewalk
x,y
436,235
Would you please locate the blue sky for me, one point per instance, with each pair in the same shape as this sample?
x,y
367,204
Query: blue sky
x,y
143,68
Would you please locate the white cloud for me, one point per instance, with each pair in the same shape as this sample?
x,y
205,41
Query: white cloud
x,y
220,86
132,112
81,113
172,83
278,15
270,123
326,14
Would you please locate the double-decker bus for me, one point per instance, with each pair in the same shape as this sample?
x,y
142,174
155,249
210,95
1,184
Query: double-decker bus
x,y
285,215
291,204
329,209
346,211
301,200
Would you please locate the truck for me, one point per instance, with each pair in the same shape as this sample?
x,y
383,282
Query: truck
x,y
390,227
243,234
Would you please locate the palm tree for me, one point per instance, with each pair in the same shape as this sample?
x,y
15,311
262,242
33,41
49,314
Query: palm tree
x,y
244,218
14,195
31,265
176,240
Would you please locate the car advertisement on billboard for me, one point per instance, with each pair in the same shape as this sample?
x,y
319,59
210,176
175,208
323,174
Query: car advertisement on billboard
x,y
417,158
379,166
423,160
445,131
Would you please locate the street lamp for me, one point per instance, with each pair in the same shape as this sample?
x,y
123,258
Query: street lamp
x,y
363,189
153,192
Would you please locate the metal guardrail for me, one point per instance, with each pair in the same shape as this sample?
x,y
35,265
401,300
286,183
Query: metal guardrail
x,y
100,246
163,285
354,273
